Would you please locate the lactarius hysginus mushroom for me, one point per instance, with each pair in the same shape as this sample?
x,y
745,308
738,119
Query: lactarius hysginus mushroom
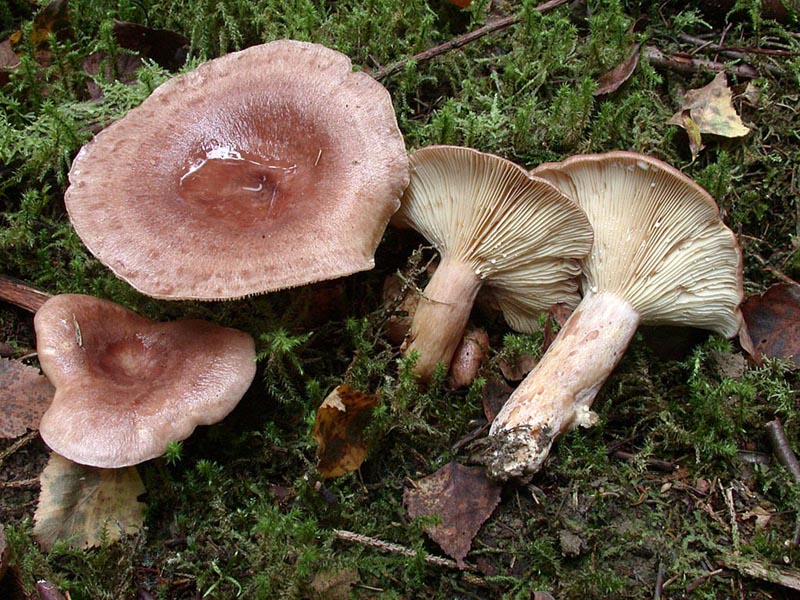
x,y
493,225
126,386
661,256
264,169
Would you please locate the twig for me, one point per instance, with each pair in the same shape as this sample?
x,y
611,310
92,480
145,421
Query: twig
x,y
19,293
782,448
778,274
658,464
697,581
659,582
740,53
19,483
687,65
372,542
31,435
463,40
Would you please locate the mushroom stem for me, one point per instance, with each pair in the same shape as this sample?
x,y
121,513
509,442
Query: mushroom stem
x,y
19,293
442,315
558,394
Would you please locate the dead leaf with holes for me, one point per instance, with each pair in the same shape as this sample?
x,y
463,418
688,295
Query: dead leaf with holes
x,y
709,111
773,320
26,396
339,430
462,497
87,506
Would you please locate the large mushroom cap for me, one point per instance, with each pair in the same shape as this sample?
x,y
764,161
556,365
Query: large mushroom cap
x,y
127,386
263,169
659,240
520,236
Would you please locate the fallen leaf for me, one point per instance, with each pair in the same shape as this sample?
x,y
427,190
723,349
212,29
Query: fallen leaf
x,y
52,19
612,80
334,585
26,396
8,61
709,110
87,506
462,497
556,316
339,428
773,320
167,48
693,133
495,393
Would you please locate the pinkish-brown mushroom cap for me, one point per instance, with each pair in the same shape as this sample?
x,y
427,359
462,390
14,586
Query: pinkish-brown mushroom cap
x,y
126,386
264,169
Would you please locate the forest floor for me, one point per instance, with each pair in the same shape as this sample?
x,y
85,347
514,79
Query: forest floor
x,y
676,491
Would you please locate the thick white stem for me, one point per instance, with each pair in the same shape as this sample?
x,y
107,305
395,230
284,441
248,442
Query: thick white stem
x,y
442,315
558,394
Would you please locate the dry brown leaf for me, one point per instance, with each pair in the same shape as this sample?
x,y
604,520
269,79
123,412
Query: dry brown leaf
x,y
462,497
87,506
773,321
709,110
612,80
26,396
495,393
339,428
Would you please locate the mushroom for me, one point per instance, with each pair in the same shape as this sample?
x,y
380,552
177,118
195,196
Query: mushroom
x,y
264,169
661,256
494,225
126,386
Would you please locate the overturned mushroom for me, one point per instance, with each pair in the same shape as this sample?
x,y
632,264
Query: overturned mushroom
x,y
661,255
495,225
260,170
126,386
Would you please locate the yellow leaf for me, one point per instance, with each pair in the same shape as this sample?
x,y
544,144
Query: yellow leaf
x,y
87,506
338,430
711,110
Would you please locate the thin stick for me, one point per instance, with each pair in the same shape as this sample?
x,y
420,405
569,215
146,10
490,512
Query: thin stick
x,y
372,542
460,41
782,448
692,65
31,435
659,582
739,53
784,278
19,483
21,294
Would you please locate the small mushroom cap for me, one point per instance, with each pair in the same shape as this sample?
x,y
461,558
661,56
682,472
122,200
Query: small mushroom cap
x,y
127,386
517,232
264,169
659,240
